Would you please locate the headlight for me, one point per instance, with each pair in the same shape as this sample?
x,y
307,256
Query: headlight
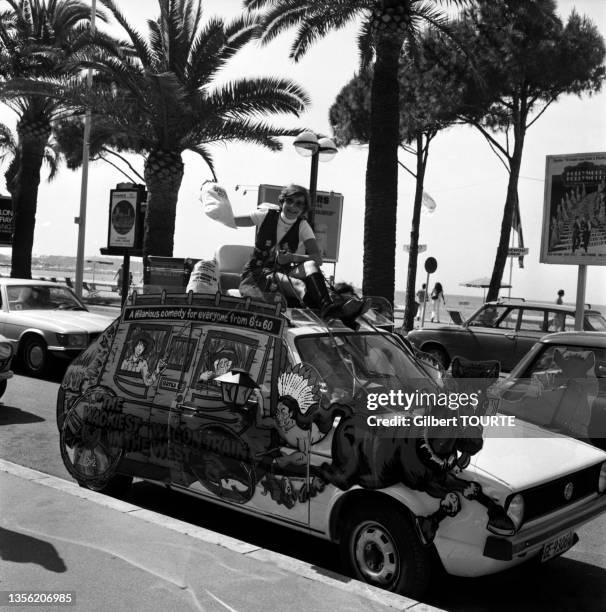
x,y
73,340
602,479
515,510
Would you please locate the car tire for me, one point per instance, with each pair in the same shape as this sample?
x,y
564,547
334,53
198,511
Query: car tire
x,y
381,547
34,355
439,353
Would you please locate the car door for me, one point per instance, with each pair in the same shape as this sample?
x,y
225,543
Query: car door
x,y
533,325
497,340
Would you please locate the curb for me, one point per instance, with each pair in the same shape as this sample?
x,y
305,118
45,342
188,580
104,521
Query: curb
x,y
305,570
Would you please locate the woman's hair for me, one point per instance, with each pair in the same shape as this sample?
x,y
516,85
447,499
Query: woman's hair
x,y
290,190
438,287
561,292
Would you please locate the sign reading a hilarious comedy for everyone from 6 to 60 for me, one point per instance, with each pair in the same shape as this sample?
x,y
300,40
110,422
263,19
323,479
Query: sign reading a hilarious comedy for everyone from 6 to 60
x,y
574,212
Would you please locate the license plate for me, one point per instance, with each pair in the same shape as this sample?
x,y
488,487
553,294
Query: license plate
x,y
558,546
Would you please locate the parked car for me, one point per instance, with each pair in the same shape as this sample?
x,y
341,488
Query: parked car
x,y
42,319
561,385
503,330
235,401
6,356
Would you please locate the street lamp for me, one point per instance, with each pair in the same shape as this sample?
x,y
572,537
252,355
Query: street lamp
x,y
309,144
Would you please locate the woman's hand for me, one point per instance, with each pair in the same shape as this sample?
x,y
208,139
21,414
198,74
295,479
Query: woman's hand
x,y
284,257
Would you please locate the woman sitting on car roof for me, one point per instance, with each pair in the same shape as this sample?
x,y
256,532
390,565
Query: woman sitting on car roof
x,y
275,262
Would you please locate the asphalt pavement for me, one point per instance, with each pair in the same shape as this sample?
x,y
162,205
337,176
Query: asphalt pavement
x,y
56,537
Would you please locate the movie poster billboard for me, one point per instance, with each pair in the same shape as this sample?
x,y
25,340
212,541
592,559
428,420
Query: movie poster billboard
x,y
6,221
327,218
574,212
122,219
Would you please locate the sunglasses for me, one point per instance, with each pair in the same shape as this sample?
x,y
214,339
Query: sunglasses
x,y
300,202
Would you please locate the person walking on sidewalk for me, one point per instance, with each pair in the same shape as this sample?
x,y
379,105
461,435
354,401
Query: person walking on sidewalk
x,y
422,300
560,299
436,295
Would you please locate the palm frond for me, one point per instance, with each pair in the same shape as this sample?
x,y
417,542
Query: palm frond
x,y
206,156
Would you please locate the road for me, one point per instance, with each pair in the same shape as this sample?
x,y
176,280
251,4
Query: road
x,y
575,581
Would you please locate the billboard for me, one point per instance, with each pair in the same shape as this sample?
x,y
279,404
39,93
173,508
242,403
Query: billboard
x,y
574,211
327,218
123,214
6,221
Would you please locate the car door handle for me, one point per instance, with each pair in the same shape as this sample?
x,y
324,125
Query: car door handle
x,y
186,409
510,336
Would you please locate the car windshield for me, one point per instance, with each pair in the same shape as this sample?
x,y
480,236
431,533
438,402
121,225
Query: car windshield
x,y
42,297
350,363
559,388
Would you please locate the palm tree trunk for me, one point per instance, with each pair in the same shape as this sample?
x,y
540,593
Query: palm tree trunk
x,y
32,142
409,311
510,202
382,172
163,176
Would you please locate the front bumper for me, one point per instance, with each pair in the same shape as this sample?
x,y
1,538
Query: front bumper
x,y
532,539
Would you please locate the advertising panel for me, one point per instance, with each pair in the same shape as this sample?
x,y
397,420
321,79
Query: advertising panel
x,y
327,218
574,212
122,219
6,221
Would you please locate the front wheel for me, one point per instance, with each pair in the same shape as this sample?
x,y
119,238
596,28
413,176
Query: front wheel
x,y
437,352
34,355
380,547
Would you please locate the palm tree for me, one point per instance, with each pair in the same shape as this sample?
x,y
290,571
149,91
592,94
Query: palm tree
x,y
9,150
35,38
163,102
387,26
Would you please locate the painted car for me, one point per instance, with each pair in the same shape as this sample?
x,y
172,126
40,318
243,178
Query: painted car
x,y
269,412
504,330
42,320
561,385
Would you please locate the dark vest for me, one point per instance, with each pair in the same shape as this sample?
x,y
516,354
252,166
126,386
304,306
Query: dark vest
x,y
266,241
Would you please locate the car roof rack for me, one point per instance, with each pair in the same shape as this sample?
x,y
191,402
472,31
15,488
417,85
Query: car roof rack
x,y
510,299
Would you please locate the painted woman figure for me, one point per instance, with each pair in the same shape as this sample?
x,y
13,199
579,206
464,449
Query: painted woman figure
x,y
275,262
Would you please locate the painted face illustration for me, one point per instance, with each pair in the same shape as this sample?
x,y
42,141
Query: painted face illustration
x,y
283,416
222,366
139,348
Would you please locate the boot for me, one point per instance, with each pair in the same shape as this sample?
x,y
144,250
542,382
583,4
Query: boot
x,y
316,294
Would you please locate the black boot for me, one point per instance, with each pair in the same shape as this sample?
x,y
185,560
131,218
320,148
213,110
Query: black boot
x,y
317,295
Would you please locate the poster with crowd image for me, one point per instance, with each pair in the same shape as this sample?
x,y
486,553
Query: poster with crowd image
x,y
574,214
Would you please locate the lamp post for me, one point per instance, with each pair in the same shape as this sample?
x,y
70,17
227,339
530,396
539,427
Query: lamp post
x,y
309,144
81,220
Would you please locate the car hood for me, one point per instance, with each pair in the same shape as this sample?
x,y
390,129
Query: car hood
x,y
532,455
65,320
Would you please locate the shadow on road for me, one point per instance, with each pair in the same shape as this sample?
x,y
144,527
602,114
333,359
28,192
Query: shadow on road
x,y
10,415
20,548
55,373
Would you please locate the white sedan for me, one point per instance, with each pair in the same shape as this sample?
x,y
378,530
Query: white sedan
x,y
43,319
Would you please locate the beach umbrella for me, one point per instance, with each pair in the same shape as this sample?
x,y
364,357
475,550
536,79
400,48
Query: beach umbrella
x,y
482,283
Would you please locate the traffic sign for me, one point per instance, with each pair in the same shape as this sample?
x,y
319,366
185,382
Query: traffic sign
x,y
421,248
517,251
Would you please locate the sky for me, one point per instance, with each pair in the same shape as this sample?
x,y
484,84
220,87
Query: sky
x,y
466,180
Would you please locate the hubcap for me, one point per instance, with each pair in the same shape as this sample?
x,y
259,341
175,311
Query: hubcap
x,y
376,554
36,357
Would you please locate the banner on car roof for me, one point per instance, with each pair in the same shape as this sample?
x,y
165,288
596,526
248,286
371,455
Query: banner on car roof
x,y
574,211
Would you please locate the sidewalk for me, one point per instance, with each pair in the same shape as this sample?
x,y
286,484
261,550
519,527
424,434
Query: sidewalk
x,y
114,556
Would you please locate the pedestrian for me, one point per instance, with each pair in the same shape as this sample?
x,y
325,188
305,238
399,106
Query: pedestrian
x,y
421,299
560,297
277,267
119,275
436,295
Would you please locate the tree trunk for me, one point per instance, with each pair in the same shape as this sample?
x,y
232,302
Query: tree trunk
x,y
33,138
382,172
163,176
510,202
411,280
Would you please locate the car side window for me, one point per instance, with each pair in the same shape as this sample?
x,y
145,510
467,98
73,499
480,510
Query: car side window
x,y
510,320
488,316
533,320
555,321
